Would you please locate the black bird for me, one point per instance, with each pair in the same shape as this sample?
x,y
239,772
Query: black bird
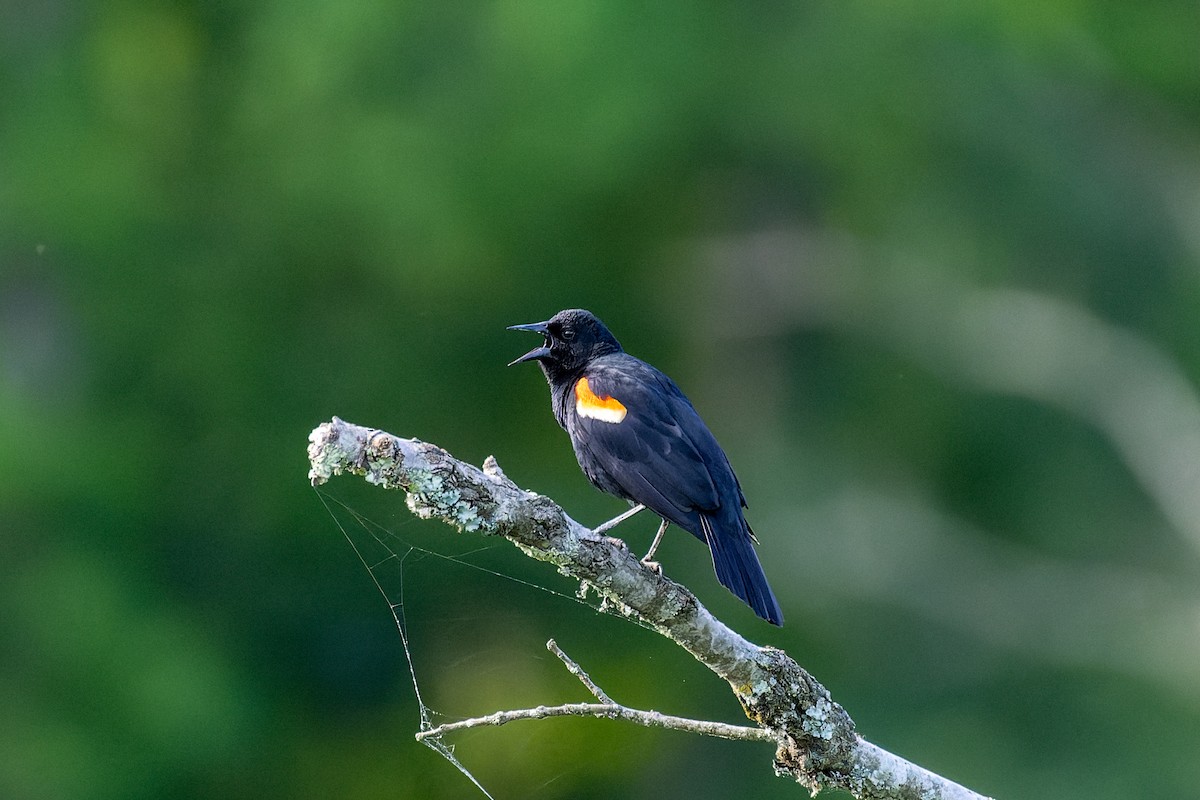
x,y
638,437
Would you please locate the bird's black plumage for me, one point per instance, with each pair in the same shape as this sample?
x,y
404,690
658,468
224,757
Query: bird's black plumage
x,y
638,437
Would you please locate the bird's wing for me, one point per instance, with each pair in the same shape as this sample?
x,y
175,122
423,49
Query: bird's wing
x,y
645,434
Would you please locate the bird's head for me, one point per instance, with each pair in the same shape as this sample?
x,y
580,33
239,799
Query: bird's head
x,y
572,338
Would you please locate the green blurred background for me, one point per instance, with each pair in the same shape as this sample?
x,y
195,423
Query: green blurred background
x,y
930,270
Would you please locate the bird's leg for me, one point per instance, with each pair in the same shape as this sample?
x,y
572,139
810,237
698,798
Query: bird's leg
x,y
646,559
615,521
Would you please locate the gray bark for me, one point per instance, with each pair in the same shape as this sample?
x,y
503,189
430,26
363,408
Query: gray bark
x,y
816,741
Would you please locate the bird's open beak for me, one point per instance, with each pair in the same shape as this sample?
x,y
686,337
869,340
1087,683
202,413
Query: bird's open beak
x,y
537,352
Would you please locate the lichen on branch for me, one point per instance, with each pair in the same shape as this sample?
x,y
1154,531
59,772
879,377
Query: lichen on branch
x,y
816,741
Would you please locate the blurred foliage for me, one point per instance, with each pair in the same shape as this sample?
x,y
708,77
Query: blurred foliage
x,y
929,269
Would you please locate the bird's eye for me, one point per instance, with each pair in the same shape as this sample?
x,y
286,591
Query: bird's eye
x,y
568,334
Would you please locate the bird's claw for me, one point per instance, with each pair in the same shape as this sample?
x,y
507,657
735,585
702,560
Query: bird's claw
x,y
653,566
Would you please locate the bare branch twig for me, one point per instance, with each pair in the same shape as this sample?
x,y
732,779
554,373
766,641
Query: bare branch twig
x,y
607,708
650,719
578,672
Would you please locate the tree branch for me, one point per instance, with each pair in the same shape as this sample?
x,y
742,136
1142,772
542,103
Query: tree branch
x,y
578,672
606,708
816,742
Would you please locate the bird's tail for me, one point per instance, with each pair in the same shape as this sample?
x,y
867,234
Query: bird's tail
x,y
738,568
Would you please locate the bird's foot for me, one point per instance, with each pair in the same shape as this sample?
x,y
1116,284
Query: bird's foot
x,y
618,543
653,566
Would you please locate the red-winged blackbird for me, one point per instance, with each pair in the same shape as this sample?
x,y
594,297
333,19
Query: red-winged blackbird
x,y
638,437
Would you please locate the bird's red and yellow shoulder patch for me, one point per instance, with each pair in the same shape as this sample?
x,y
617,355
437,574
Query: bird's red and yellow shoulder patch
x,y
594,406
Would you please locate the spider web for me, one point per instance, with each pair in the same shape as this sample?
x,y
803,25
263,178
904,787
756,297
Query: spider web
x,y
387,557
